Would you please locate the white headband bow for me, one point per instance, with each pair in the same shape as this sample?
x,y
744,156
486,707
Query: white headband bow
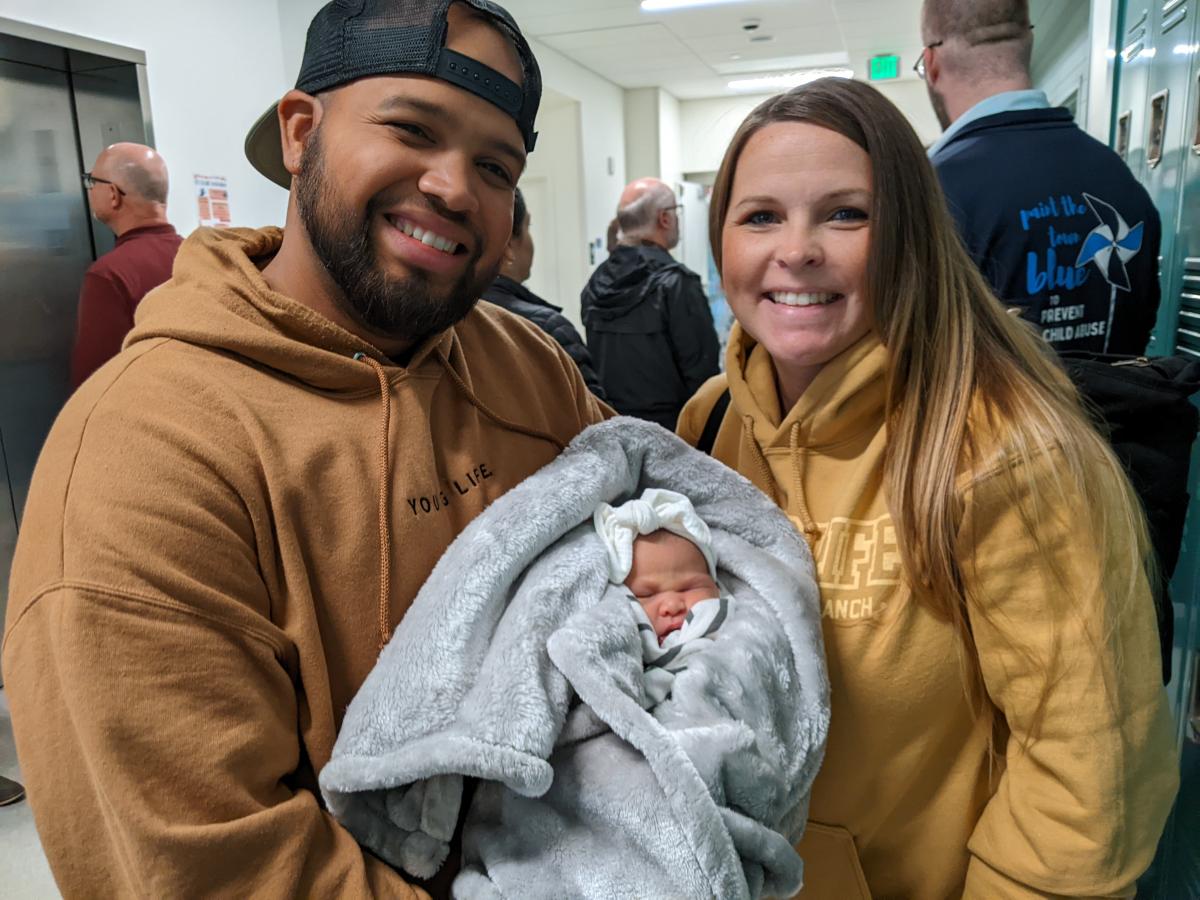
x,y
656,509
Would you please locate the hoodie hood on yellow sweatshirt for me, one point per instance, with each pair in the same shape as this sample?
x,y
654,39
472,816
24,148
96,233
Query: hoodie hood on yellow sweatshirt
x,y
908,802
843,405
223,523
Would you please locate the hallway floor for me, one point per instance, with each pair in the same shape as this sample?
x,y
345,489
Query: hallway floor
x,y
24,873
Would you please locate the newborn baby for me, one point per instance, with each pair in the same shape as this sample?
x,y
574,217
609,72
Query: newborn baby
x,y
660,549
669,577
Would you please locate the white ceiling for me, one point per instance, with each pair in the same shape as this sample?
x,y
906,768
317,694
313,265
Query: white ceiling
x,y
694,53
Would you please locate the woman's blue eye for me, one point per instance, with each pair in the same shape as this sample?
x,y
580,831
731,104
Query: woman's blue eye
x,y
760,218
849,214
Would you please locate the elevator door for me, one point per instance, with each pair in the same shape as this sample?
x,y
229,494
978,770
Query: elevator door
x,y
45,246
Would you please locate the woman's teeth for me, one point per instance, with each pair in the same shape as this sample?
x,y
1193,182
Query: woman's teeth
x,y
787,298
428,238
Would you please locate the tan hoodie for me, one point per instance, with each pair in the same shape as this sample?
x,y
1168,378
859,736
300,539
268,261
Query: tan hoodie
x,y
906,805
196,594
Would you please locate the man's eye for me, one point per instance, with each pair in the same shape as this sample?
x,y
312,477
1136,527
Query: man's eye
x,y
498,170
409,128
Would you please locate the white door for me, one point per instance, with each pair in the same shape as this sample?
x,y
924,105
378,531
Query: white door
x,y
543,277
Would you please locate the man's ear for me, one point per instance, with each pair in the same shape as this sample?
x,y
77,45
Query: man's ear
x,y
933,66
509,256
299,115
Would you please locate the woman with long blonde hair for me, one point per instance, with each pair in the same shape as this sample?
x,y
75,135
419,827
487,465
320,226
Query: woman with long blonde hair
x,y
999,728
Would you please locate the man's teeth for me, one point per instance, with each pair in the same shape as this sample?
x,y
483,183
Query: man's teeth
x,y
428,238
787,298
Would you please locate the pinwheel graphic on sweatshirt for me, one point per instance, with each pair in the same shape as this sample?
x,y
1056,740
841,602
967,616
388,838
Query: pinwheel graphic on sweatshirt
x,y
1110,245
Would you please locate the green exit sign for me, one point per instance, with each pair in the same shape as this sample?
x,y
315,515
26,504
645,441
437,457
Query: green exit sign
x,y
883,67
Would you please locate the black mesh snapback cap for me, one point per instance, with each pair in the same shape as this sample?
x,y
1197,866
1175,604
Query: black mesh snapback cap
x,y
350,39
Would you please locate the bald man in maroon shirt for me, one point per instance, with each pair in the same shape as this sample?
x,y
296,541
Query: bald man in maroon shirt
x,y
127,191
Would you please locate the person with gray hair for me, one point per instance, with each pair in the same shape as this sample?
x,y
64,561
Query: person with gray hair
x,y
649,328
127,191
1054,219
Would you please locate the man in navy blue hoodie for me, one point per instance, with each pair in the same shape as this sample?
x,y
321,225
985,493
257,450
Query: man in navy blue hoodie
x,y
1053,218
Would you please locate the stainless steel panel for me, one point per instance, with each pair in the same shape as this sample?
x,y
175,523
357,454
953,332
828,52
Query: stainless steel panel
x,y
144,99
32,53
45,247
68,41
108,110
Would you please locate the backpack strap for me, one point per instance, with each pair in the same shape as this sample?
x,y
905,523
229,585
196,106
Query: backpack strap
x,y
716,416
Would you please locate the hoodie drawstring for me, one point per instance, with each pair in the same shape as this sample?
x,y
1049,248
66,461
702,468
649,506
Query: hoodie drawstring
x,y
499,420
810,529
385,480
385,504
764,468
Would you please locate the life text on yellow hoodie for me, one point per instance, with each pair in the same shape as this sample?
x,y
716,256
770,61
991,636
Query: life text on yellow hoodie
x,y
906,805
196,594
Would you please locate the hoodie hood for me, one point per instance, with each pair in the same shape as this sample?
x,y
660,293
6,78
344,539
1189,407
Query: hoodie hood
x,y
846,397
504,289
621,281
217,289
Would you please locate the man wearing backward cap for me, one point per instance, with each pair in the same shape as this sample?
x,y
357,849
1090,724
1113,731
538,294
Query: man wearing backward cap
x,y
227,523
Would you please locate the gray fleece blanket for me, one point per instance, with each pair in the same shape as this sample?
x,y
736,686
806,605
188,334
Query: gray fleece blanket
x,y
520,664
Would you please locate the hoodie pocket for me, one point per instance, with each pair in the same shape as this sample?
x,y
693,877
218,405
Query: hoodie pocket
x,y
831,867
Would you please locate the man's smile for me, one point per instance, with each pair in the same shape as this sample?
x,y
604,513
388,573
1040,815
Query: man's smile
x,y
426,236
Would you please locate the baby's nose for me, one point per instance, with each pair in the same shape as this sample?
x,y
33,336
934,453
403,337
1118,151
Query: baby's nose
x,y
673,604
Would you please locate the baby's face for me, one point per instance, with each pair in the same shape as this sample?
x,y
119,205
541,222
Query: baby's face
x,y
669,576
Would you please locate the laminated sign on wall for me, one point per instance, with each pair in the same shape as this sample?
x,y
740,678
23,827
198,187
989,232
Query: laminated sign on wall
x,y
212,198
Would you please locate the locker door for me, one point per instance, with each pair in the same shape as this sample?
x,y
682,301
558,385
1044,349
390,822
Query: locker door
x,y
1166,108
1135,55
1175,186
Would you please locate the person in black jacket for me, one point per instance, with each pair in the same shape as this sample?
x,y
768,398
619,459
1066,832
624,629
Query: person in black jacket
x,y
648,323
509,292
1053,218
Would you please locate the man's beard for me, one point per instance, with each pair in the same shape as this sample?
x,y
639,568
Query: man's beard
x,y
399,308
938,102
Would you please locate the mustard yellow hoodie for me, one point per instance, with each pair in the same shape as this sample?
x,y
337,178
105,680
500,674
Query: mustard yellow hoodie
x,y
196,593
907,804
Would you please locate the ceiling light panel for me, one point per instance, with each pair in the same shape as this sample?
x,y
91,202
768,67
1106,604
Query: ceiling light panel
x,y
652,6
782,81
788,42
745,66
